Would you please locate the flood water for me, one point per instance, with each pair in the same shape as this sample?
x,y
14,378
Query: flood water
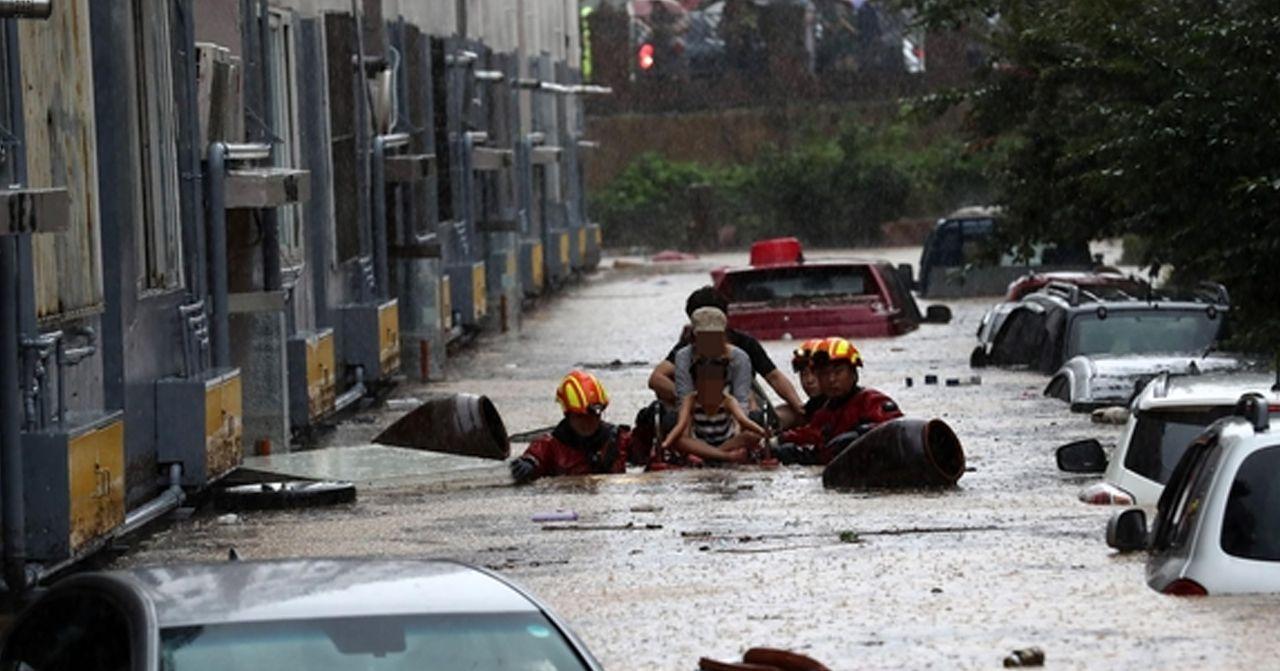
x,y
663,568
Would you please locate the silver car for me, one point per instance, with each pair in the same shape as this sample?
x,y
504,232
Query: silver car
x,y
1091,382
318,614
1165,417
1217,525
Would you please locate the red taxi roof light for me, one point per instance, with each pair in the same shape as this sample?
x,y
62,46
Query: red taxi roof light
x,y
776,252
1185,587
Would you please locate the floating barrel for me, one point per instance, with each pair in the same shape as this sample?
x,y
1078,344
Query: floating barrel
x,y
461,424
900,453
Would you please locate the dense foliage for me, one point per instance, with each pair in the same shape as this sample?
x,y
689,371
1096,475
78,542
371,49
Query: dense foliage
x,y
1154,119
825,190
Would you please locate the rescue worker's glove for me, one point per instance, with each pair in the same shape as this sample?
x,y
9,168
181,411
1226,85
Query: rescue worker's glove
x,y
791,453
522,469
838,443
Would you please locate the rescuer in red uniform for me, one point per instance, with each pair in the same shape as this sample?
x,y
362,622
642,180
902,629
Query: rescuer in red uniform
x,y
582,443
849,411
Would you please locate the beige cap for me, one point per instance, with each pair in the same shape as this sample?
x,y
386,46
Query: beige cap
x,y
709,320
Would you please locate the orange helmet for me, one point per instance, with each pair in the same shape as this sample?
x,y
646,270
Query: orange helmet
x,y
581,393
801,355
837,349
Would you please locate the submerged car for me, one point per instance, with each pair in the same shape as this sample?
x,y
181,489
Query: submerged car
x,y
1166,416
1091,382
1217,524
1045,329
1107,280
782,295
297,614
952,263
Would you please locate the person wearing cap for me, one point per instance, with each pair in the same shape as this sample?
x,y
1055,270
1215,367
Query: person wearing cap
x,y
663,378
850,410
582,443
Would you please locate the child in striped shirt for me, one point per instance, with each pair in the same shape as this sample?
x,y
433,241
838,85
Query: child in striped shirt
x,y
711,423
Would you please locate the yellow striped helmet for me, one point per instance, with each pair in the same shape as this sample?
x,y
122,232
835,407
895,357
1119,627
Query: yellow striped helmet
x,y
837,349
581,393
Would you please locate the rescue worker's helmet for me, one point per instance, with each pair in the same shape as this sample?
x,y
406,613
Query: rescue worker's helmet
x,y
801,356
581,393
831,350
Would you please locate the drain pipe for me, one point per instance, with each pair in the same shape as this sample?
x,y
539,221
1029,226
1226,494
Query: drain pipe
x,y
168,500
379,196
218,254
350,396
14,516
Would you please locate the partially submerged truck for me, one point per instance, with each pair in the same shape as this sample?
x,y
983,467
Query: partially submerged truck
x,y
953,263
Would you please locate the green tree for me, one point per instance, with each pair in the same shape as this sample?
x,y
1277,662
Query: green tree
x,y
1156,119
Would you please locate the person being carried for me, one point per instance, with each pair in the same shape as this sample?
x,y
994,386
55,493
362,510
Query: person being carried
x,y
711,424
849,412
582,443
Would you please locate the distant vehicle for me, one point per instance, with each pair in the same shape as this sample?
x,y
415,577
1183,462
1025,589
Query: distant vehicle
x,y
296,614
1217,524
951,262
1045,329
1091,382
1098,279
781,295
1167,415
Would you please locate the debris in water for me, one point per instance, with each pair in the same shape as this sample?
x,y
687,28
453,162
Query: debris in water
x,y
849,537
556,516
629,526
408,403
614,365
229,518
1024,658
1115,414
646,509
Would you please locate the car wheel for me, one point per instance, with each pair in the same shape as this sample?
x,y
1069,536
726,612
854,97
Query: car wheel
x,y
285,494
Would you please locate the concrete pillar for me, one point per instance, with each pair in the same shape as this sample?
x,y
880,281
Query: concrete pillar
x,y
259,339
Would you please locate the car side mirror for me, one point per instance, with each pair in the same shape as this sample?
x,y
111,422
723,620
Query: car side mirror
x,y
937,314
1082,456
907,274
1127,530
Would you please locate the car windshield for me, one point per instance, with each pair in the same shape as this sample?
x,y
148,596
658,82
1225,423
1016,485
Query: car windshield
x,y
1142,332
515,641
786,284
1251,522
1161,437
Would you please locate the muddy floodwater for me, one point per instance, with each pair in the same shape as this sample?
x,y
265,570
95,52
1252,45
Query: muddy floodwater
x,y
662,568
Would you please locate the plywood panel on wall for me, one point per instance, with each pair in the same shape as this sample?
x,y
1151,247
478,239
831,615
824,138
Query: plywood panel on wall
x,y
57,90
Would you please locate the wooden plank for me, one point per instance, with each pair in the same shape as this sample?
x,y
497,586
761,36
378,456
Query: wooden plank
x,y
57,84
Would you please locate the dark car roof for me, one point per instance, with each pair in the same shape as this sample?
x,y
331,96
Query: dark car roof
x,y
258,591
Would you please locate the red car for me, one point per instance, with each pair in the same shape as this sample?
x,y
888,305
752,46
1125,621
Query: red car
x,y
782,296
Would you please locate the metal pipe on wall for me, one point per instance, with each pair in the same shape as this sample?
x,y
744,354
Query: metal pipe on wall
x,y
218,254
380,215
14,516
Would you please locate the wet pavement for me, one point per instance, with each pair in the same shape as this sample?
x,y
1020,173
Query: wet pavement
x,y
663,568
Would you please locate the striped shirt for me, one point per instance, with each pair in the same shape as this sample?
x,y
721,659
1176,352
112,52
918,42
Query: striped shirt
x,y
714,429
